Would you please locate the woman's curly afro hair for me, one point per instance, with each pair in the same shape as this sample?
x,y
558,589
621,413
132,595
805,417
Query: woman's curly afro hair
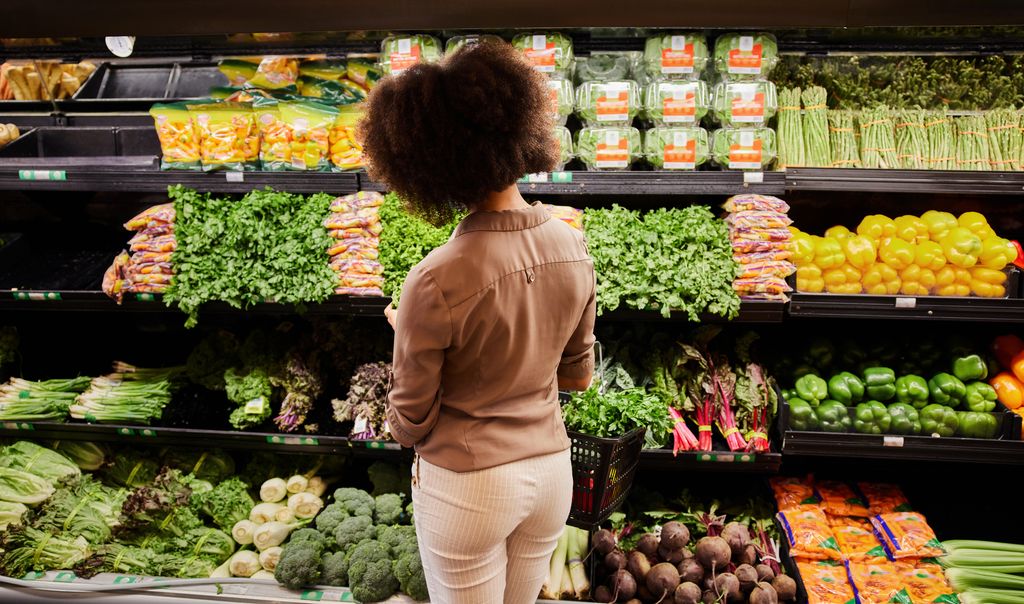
x,y
443,136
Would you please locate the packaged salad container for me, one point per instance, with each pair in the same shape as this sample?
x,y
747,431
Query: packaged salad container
x,y
679,148
609,148
399,53
562,99
608,103
564,138
745,56
745,103
458,42
675,103
681,56
603,66
743,148
549,53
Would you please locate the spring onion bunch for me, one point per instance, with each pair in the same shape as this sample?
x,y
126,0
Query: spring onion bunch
x,y
131,394
24,400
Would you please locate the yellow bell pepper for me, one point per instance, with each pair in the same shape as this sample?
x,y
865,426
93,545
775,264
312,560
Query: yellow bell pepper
x,y
881,279
953,290
897,253
963,276
838,232
987,282
848,289
939,223
853,275
808,279
877,227
802,245
929,255
945,276
996,253
961,247
911,228
834,276
860,251
926,278
987,290
828,253
976,223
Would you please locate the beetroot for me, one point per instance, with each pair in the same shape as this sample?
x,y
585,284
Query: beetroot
x,y
765,573
687,593
643,594
747,577
690,570
615,560
713,553
638,565
603,594
747,556
726,584
737,536
669,555
675,536
663,580
603,542
709,597
648,544
764,593
785,587
623,586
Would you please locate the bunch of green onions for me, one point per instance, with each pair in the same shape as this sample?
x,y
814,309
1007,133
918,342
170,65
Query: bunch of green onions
x,y
985,572
131,395
24,400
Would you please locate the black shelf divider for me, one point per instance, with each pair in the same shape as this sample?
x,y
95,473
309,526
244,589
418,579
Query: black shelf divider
x,y
923,308
905,181
903,448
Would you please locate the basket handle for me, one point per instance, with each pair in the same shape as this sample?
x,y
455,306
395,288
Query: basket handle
x,y
599,349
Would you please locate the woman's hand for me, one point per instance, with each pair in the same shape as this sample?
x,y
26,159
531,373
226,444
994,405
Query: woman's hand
x,y
392,314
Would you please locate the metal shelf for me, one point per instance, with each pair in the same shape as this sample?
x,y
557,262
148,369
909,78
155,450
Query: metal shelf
x,y
924,308
903,448
711,461
905,181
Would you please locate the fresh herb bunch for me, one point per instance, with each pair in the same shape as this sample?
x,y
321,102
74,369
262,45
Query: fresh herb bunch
x,y
677,259
616,412
367,400
266,246
405,241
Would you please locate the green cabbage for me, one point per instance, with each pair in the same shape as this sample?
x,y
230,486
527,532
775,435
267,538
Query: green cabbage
x,y
550,53
747,64
398,53
608,148
674,98
666,56
745,104
746,156
608,103
657,139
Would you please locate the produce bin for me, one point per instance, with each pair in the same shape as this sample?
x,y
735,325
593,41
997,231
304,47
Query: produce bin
x,y
602,473
87,145
149,83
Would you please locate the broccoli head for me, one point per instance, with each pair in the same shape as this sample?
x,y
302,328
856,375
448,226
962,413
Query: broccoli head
x,y
329,518
389,478
309,535
408,569
355,501
354,530
335,569
388,508
370,575
398,539
299,565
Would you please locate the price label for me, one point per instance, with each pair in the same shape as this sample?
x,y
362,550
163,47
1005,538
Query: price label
x,y
312,594
561,177
234,176
65,576
36,296
122,579
145,297
42,175
753,178
380,444
120,46
892,441
537,177
235,589
292,440
18,426
906,302
33,576
125,432
149,432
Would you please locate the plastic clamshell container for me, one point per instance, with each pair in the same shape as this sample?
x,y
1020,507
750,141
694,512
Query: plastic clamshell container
x,y
745,55
603,67
676,103
743,148
550,53
563,97
613,103
609,148
399,53
456,42
745,104
681,148
566,153
676,56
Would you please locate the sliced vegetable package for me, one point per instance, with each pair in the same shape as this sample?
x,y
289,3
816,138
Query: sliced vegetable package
x,y
363,70
569,215
275,135
792,492
676,148
745,56
229,139
753,246
359,291
737,233
839,499
357,266
276,73
907,535
179,140
354,201
565,150
238,71
152,217
757,203
346,152
349,220
858,543
549,53
745,103
399,53
608,148
760,219
563,99
674,103
676,56
310,125
826,582
608,103
456,42
324,69
360,280
759,257
744,148
603,67
809,535
354,250
165,243
884,498
333,92
876,582
762,285
774,269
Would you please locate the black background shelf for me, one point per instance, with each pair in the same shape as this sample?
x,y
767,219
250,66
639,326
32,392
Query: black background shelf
x,y
834,306
903,448
905,181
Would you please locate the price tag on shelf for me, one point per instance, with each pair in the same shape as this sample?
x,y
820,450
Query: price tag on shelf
x,y
312,594
122,579
892,441
538,177
561,177
125,432
292,440
145,297
381,444
120,46
904,302
234,589
64,576
18,426
36,296
149,432
234,176
33,576
753,178
42,175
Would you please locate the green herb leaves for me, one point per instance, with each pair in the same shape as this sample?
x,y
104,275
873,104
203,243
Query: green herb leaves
x,y
405,240
617,412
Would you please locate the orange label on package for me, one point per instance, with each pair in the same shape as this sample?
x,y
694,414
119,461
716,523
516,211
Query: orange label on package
x,y
747,104
612,152
678,58
680,107
746,155
681,154
613,104
747,58
408,55
541,54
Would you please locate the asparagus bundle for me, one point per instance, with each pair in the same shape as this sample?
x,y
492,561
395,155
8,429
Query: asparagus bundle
x,y
972,148
815,125
941,141
911,140
877,139
1004,139
790,132
843,140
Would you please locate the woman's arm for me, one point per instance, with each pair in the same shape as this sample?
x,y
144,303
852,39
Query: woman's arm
x,y
422,333
576,370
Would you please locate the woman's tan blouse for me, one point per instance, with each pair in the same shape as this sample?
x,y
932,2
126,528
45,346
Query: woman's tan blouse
x,y
486,323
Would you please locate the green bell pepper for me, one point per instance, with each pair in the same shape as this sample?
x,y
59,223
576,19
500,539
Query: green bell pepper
x,y
871,418
853,354
880,383
803,369
833,416
846,388
939,420
981,397
905,419
913,390
977,425
820,353
802,416
812,389
969,368
947,390
789,395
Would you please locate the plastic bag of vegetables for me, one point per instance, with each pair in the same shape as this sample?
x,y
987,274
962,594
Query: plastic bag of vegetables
x,y
399,53
670,103
564,138
676,148
743,148
563,99
612,148
608,103
676,56
457,42
745,103
549,53
603,66
745,56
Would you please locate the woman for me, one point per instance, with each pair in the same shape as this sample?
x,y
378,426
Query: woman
x,y
490,324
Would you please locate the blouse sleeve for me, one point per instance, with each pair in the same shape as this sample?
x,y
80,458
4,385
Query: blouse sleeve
x,y
424,333
578,356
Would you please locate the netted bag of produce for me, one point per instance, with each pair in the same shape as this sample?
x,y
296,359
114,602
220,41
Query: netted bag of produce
x,y
676,56
907,535
549,53
826,582
876,582
793,492
179,141
676,103
809,535
839,499
884,498
399,53
676,148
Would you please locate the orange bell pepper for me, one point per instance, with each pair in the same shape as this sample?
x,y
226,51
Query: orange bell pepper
x,y
1005,348
1017,365
1009,390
